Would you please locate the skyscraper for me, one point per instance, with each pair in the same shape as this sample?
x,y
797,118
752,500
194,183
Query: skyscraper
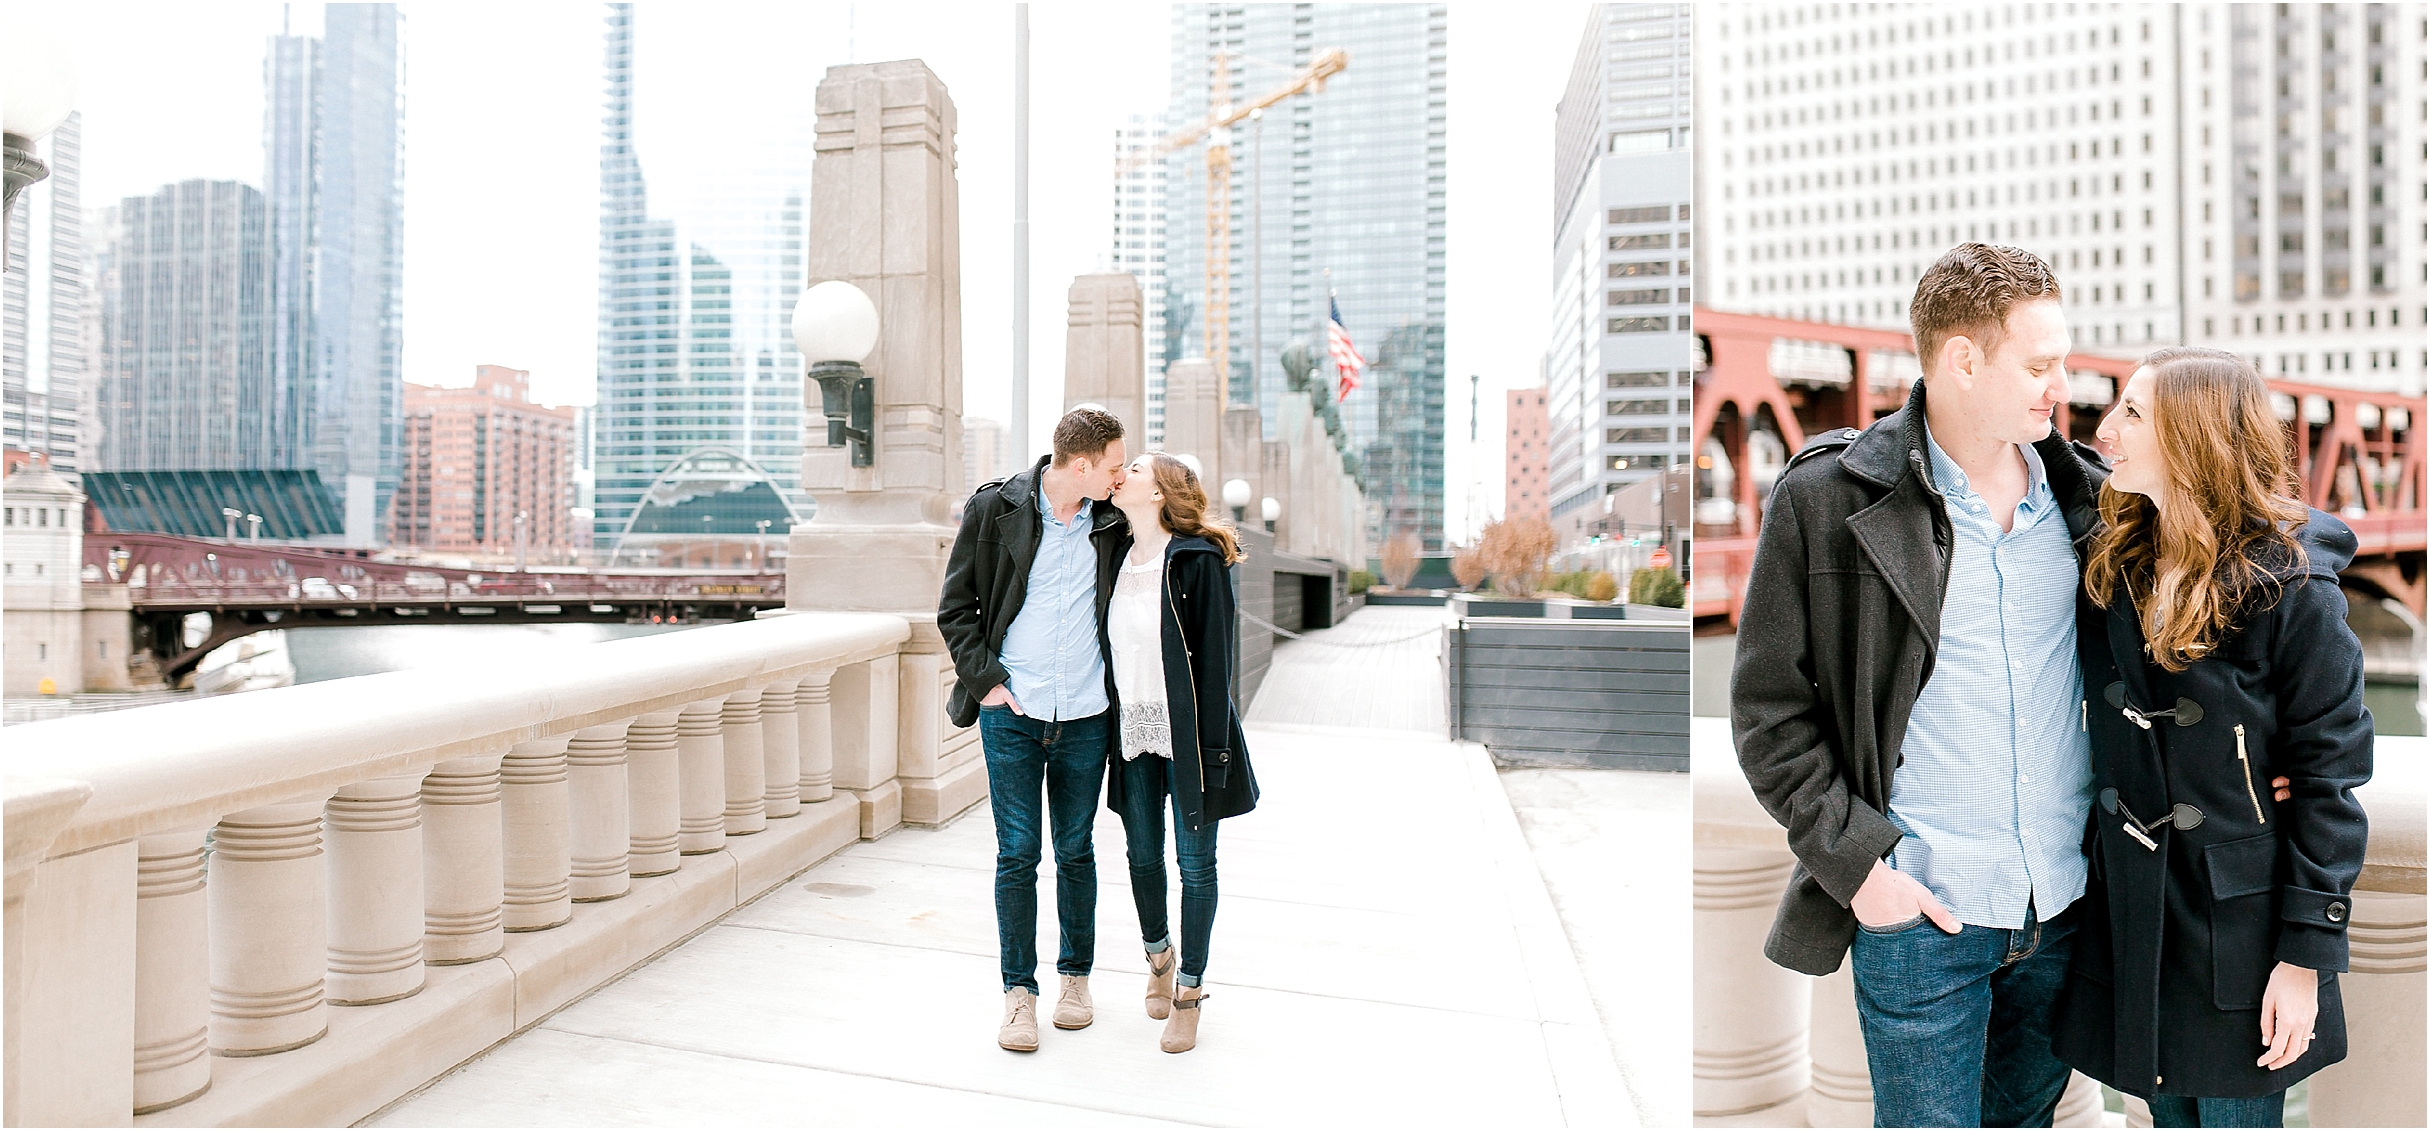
x,y
1136,245
1616,368
184,382
1352,189
695,346
2241,176
333,170
43,385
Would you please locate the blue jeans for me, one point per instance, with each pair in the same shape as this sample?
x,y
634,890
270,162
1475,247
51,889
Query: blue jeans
x,y
1147,782
2187,1111
1957,1027
1067,761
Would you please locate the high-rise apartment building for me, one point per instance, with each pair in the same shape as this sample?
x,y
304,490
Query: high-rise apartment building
x,y
1347,189
986,453
1136,245
334,174
485,470
1523,456
695,347
184,381
43,351
1617,380
2248,177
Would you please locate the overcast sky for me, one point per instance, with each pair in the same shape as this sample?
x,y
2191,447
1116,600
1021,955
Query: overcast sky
x,y
502,160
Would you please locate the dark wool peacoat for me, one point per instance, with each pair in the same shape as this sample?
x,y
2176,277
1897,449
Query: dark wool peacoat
x,y
1841,625
2180,935
987,578
1201,634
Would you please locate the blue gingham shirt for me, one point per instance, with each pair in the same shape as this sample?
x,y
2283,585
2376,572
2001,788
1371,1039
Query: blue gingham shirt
x,y
1997,778
1053,667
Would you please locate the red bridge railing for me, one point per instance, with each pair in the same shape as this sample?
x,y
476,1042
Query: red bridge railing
x,y
1769,383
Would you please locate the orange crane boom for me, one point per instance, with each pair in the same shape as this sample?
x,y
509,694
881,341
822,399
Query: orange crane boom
x,y
1217,132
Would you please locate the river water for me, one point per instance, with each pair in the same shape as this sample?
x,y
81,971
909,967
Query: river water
x,y
339,651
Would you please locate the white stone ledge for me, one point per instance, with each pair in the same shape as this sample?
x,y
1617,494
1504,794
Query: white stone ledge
x,y
375,1055
185,765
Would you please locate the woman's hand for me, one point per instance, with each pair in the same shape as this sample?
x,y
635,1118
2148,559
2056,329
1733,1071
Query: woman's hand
x,y
2288,1008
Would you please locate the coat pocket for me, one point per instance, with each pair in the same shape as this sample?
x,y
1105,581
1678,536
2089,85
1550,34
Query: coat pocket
x,y
2243,877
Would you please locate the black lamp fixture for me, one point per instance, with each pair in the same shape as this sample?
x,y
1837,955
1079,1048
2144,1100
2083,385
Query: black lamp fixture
x,y
835,326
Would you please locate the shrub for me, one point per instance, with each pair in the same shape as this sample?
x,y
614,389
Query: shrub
x,y
1600,586
1657,587
1400,560
1515,551
1361,581
1468,567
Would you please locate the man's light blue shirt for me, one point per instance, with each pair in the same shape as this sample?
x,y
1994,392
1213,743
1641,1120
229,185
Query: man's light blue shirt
x,y
1997,772
1053,667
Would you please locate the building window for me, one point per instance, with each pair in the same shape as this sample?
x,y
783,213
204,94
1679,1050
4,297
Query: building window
x,y
1633,270
1637,379
1653,241
1658,214
1653,324
1655,296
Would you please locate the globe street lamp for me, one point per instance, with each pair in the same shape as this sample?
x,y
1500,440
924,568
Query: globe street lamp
x,y
835,326
1236,496
1272,511
37,91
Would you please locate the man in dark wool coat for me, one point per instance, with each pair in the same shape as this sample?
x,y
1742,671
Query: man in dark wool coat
x,y
1906,697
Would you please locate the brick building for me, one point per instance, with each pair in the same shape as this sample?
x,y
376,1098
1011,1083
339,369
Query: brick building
x,y
476,458
1526,456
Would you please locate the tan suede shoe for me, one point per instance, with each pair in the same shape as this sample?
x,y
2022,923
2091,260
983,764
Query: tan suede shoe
x,y
1020,1031
1181,1030
1160,983
1074,1010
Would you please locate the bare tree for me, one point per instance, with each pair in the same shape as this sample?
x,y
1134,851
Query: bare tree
x,y
1400,559
1468,567
1515,551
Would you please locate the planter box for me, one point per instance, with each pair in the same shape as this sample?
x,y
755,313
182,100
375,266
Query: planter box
x,y
1411,597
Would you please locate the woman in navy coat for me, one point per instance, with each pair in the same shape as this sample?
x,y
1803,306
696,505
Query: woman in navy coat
x,y
2216,657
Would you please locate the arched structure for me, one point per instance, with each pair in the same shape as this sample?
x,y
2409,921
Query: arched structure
x,y
712,495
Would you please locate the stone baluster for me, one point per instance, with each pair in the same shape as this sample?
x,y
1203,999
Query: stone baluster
x,y
269,953
655,786
375,891
780,738
701,762
1750,1026
172,972
816,718
599,814
2379,1084
463,862
1842,1094
534,804
746,761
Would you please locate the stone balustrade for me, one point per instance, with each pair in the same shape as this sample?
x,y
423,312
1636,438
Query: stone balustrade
x,y
1775,1048
295,906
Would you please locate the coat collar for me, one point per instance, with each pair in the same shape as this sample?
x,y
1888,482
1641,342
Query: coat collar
x,y
1894,447
1020,490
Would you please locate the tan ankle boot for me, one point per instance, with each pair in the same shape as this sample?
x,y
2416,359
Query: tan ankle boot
x,y
1181,1030
1160,983
1020,1031
1073,1009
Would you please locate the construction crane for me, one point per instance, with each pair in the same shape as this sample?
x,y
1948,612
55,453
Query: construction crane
x,y
1217,131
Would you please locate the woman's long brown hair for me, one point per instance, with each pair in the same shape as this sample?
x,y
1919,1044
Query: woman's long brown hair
x,y
1185,506
2192,568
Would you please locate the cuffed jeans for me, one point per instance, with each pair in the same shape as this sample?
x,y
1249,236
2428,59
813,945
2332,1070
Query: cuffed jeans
x,y
1065,761
1147,781
2187,1111
1957,1027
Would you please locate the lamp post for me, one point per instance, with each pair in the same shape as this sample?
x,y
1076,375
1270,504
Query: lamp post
x,y
763,525
254,521
37,92
835,326
231,514
1236,496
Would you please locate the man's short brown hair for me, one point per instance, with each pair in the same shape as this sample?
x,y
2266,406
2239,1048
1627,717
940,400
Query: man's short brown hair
x,y
1970,291
1084,431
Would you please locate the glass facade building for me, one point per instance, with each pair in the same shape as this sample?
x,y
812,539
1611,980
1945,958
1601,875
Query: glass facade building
x,y
185,377
695,341
1616,368
334,175
1351,186
43,358
1136,245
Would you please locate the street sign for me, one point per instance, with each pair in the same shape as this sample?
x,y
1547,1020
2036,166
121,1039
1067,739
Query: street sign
x,y
1661,558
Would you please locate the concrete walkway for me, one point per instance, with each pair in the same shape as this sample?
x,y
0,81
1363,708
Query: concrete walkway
x,y
1386,953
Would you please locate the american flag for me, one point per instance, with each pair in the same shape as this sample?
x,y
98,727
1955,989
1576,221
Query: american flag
x,y
1346,360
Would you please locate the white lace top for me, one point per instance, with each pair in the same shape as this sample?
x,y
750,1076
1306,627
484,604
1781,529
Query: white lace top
x,y
1134,623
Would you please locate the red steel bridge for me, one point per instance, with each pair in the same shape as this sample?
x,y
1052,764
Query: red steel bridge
x,y
246,587
1769,383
